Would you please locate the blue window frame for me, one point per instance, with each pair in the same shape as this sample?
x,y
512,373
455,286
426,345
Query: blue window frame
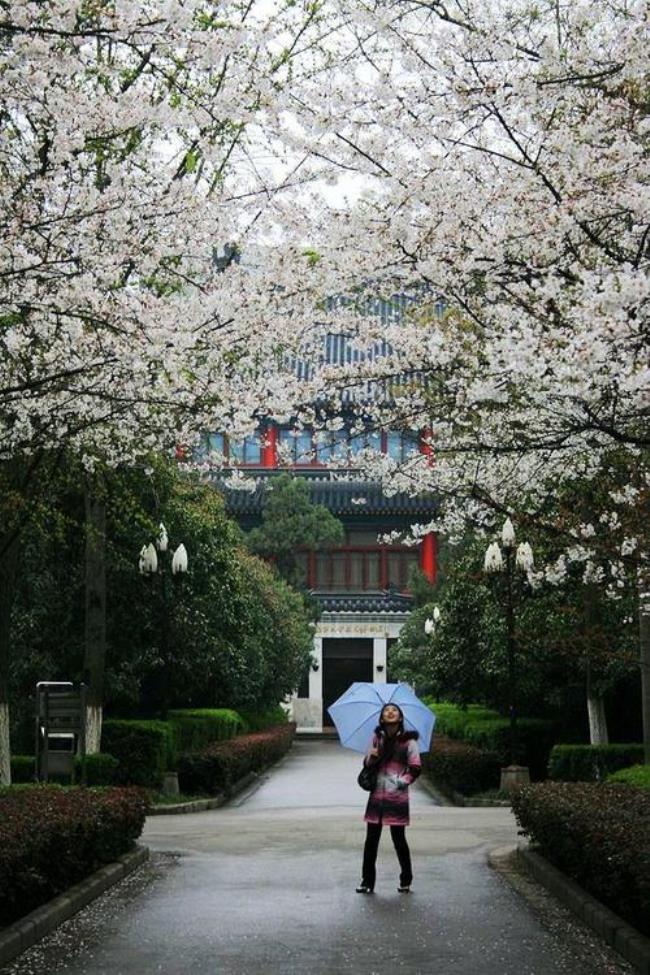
x,y
333,447
369,439
246,451
394,444
210,443
297,444
400,445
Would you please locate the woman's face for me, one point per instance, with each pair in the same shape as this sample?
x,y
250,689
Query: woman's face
x,y
391,714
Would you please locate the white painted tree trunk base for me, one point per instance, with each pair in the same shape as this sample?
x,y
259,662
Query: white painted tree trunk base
x,y
597,720
5,746
93,729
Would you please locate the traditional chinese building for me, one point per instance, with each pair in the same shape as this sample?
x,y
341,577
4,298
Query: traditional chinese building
x,y
363,585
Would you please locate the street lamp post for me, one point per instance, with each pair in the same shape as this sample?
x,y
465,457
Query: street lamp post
x,y
507,560
151,564
431,621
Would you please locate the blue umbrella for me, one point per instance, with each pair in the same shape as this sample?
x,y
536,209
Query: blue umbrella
x,y
356,713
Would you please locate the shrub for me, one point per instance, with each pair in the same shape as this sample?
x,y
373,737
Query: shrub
x,y
144,750
461,767
637,775
452,719
487,730
101,769
216,768
50,838
195,728
23,768
591,763
534,741
598,834
261,720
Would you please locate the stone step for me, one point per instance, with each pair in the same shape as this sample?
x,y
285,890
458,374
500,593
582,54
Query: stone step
x,y
325,735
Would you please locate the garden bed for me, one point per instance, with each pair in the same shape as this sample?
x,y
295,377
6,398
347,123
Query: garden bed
x,y
591,763
598,835
51,838
218,767
461,770
490,732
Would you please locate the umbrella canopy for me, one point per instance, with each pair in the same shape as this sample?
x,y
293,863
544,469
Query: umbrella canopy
x,y
356,713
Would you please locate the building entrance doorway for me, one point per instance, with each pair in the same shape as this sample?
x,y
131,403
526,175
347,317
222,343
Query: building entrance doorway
x,y
344,661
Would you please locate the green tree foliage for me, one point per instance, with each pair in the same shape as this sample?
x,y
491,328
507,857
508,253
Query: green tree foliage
x,y
236,635
464,660
291,522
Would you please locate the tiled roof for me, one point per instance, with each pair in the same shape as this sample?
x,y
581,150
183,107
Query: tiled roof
x,y
374,602
341,348
339,497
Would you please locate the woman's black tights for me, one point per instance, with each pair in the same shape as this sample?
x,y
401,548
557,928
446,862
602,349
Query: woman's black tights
x,y
398,836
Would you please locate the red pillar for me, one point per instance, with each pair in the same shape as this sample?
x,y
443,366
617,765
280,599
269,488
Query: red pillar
x,y
425,444
429,556
429,545
270,446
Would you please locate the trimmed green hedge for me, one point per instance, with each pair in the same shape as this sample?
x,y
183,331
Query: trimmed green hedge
x,y
51,838
452,719
487,730
143,749
195,728
261,720
460,767
637,775
596,833
146,749
101,769
216,768
23,768
591,763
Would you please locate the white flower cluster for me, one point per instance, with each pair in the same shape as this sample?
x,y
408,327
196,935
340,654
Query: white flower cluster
x,y
398,185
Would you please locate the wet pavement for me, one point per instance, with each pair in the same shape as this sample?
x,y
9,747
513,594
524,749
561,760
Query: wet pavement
x,y
267,884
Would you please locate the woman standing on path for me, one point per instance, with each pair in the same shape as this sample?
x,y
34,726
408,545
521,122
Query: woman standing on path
x,y
396,755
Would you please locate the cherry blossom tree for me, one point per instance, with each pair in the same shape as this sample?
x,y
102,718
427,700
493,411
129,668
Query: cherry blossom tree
x,y
496,160
132,153
127,162
502,150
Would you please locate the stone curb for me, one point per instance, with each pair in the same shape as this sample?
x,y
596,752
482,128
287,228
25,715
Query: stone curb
x,y
199,805
472,803
625,939
29,929
449,796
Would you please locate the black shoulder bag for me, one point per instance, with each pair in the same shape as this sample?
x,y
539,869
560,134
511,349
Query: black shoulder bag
x,y
367,777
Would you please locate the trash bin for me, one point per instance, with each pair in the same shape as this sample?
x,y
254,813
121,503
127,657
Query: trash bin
x,y
60,750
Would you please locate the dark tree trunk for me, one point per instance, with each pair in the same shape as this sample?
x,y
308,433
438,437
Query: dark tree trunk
x,y
598,733
95,612
8,579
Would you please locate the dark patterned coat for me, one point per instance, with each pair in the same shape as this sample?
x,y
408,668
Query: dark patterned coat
x,y
388,803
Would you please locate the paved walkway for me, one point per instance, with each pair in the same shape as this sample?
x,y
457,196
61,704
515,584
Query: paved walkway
x,y
266,885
